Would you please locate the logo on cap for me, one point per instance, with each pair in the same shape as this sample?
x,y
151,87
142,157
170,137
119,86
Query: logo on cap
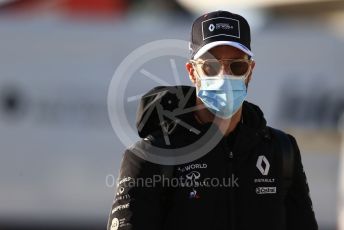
x,y
221,26
211,27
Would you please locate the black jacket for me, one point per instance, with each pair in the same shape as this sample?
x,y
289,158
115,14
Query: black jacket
x,y
254,195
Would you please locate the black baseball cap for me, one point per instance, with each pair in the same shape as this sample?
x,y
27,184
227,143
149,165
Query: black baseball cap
x,y
219,28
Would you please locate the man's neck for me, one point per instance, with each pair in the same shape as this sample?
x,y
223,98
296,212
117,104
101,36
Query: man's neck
x,y
226,126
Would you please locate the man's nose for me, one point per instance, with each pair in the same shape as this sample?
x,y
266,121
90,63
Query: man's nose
x,y
226,69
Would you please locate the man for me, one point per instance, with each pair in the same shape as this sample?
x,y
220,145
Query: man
x,y
268,187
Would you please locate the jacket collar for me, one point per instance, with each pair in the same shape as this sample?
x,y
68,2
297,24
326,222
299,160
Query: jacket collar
x,y
251,131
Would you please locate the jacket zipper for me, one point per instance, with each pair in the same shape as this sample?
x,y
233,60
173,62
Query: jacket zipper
x,y
231,192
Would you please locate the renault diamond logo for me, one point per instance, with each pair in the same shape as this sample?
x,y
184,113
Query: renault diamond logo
x,y
263,165
211,27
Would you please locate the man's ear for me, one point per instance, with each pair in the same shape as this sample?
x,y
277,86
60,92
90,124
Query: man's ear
x,y
191,71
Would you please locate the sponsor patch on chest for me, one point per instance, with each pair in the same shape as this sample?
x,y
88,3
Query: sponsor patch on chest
x,y
266,190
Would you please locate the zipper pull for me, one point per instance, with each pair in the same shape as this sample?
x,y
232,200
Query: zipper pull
x,y
231,155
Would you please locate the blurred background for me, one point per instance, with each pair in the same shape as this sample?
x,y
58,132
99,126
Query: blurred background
x,y
58,152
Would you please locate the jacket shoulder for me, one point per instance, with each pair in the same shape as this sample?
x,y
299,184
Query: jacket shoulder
x,y
274,132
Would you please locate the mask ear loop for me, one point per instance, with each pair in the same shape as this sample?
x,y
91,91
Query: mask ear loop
x,y
244,79
249,72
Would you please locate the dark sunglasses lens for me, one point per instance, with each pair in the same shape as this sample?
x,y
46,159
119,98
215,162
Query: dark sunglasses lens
x,y
211,68
239,68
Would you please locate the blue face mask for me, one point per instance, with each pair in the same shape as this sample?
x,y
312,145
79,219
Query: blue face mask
x,y
222,95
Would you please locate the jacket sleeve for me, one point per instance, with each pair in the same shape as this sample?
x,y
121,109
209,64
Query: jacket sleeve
x,y
299,209
139,199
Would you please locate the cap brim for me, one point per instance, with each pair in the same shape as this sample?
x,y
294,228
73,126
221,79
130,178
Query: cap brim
x,y
211,45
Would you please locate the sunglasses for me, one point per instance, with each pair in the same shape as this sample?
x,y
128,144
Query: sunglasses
x,y
213,67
